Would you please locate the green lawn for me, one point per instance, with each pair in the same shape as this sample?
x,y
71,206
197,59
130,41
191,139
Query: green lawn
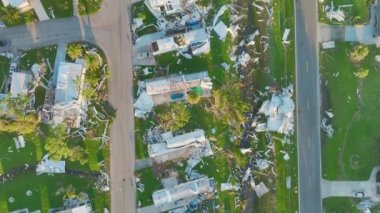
x,y
14,159
61,9
44,187
141,127
340,205
140,10
354,149
357,14
151,184
39,55
4,71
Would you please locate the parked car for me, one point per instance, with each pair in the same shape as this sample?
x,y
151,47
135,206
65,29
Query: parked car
x,y
5,43
358,194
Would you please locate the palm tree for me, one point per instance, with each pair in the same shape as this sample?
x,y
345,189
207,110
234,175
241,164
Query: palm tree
x,y
10,15
92,62
74,51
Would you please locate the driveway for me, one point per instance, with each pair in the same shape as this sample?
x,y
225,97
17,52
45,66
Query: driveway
x,y
109,29
347,188
39,9
363,33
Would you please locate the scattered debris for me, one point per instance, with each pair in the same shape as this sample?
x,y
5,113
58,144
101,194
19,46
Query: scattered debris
x,y
229,187
328,45
338,14
285,36
50,167
260,189
288,182
327,128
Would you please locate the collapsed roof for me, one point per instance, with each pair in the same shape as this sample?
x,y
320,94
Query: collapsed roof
x,y
279,111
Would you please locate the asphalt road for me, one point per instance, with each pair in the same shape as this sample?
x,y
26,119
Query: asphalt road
x,y
109,29
308,107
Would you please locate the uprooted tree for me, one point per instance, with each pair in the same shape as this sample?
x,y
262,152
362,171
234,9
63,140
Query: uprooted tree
x,y
174,116
227,103
16,120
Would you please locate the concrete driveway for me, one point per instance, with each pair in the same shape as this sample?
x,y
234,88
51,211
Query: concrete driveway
x,y
348,188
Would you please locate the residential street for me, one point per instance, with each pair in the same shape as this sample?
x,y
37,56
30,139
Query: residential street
x,y
308,107
109,29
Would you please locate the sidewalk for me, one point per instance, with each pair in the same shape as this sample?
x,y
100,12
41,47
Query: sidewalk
x,y
39,9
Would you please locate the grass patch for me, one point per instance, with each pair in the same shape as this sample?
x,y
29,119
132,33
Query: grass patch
x,y
140,10
87,7
146,30
45,191
354,149
151,184
11,158
355,15
61,9
141,127
4,71
340,205
38,55
40,96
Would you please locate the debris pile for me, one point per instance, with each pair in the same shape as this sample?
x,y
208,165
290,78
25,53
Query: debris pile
x,y
50,167
327,128
331,14
280,112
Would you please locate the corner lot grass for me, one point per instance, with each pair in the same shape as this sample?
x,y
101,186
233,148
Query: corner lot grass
x,y
61,8
44,187
45,191
354,149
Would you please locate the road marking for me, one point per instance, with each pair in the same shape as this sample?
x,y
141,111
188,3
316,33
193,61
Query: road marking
x,y
307,66
308,104
308,142
306,27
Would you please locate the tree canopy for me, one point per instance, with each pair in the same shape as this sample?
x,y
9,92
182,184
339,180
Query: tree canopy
x,y
58,146
193,97
10,15
174,116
